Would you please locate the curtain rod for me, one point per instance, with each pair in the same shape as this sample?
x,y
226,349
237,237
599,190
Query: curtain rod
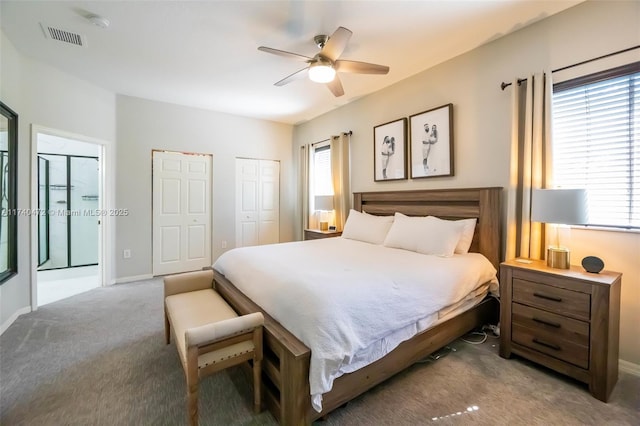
x,y
504,85
596,59
350,133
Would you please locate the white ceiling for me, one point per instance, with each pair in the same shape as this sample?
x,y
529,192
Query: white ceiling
x,y
204,54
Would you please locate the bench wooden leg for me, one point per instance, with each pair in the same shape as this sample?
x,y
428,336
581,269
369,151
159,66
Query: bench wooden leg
x,y
192,385
257,369
167,327
257,384
192,404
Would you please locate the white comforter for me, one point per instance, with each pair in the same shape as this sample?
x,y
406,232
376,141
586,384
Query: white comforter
x,y
350,302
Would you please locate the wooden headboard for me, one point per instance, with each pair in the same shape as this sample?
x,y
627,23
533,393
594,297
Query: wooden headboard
x,y
480,203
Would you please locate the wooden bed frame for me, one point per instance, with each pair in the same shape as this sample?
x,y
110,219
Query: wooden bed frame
x,y
286,359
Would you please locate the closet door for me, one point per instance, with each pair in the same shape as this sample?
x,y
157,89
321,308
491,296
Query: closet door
x,y
181,212
257,202
269,202
247,185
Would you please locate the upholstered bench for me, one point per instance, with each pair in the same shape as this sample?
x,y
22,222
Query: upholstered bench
x,y
208,333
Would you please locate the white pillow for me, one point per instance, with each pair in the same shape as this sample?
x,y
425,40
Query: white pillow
x,y
468,228
426,235
366,227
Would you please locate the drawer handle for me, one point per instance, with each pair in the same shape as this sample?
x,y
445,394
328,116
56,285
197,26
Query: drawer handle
x,y
544,296
549,323
548,345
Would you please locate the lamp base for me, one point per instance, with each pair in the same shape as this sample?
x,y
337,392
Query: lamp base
x,y
558,257
324,226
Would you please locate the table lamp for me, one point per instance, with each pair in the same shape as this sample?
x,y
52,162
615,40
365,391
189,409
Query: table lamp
x,y
559,207
323,203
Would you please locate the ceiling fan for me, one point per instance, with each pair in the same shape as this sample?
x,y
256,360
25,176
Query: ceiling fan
x,y
323,66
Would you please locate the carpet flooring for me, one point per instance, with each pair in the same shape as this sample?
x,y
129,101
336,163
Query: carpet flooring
x,y
99,358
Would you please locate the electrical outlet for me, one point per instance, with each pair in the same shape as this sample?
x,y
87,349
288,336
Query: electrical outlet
x,y
126,253
224,243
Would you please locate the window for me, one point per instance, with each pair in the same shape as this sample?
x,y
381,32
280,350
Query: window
x,y
596,143
321,183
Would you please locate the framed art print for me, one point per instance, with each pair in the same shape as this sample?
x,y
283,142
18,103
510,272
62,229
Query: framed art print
x,y
390,151
432,142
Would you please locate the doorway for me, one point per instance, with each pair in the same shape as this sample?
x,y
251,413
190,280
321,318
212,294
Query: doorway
x,y
68,221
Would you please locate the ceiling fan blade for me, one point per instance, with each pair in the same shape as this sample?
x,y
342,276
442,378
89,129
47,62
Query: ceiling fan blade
x,y
360,67
336,44
298,75
285,54
336,87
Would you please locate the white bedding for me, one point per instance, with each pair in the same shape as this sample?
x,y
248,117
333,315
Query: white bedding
x,y
351,302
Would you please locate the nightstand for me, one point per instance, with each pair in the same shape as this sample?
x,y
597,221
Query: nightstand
x,y
316,234
565,319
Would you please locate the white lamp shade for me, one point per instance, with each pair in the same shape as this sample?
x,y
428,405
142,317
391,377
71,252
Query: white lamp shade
x,y
321,72
323,202
560,206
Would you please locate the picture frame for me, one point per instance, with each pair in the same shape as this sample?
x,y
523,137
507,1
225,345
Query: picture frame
x,y
390,151
431,145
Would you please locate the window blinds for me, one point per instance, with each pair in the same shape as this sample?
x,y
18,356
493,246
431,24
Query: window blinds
x,y
322,184
596,145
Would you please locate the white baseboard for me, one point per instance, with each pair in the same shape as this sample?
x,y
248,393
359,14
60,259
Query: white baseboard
x,y
629,367
14,317
133,278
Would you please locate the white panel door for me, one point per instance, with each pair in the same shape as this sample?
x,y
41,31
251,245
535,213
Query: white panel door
x,y
247,185
181,212
257,202
269,202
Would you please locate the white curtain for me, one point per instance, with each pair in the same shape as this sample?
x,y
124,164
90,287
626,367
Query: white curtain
x,y
340,175
530,166
303,191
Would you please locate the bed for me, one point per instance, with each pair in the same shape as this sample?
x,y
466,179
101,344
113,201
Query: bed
x,y
287,360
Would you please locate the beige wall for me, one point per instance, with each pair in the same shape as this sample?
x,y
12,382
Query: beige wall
x,y
145,125
43,96
482,121
47,97
15,293
620,252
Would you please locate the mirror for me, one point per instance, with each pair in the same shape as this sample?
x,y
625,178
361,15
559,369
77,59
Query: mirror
x,y
8,178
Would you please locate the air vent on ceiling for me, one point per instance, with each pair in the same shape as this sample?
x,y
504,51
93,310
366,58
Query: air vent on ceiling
x,y
64,36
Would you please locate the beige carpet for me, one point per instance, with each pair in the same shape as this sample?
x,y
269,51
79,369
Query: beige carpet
x,y
99,358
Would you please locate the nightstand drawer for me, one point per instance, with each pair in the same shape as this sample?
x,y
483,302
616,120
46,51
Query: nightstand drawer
x,y
553,299
551,345
552,326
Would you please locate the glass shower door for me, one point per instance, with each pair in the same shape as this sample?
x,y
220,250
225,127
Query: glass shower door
x,y
68,196
43,210
84,177
55,239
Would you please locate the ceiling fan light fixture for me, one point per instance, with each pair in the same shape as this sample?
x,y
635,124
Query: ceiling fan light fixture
x,y
322,72
323,67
